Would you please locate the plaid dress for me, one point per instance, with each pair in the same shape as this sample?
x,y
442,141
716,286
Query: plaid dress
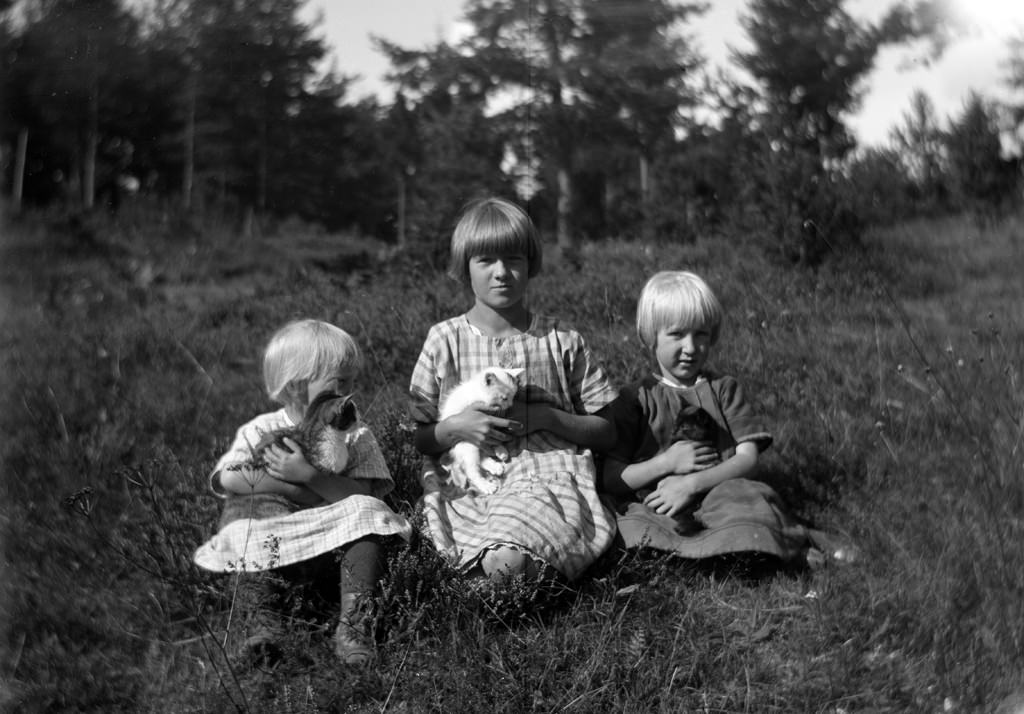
x,y
548,505
266,531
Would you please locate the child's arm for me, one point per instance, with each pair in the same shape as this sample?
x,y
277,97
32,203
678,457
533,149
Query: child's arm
x,y
471,425
675,492
682,457
591,431
246,480
291,468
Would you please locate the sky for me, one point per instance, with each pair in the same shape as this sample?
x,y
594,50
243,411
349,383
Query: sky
x,y
972,61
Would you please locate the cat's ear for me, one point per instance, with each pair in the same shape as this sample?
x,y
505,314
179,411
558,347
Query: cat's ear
x,y
516,373
349,414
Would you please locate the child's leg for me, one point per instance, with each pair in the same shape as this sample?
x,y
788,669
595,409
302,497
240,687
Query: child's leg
x,y
257,603
361,569
503,562
361,566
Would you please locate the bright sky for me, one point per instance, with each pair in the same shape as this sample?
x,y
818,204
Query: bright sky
x,y
973,61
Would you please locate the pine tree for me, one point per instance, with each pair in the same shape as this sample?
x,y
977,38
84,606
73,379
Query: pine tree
x,y
982,178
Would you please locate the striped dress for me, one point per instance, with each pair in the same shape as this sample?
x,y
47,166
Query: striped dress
x,y
547,506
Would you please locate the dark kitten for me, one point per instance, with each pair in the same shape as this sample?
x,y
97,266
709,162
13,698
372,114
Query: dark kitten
x,y
694,424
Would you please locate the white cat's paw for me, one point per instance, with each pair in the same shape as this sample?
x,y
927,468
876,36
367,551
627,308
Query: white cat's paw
x,y
492,467
485,486
500,453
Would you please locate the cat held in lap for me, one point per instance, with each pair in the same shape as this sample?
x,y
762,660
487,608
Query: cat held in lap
x,y
321,435
694,424
493,390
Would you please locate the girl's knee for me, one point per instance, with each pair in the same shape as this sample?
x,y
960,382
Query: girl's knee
x,y
503,562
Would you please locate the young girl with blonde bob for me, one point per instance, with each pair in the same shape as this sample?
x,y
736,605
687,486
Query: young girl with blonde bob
x,y
691,495
546,516
284,523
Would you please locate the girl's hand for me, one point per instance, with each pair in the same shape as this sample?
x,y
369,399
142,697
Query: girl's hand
x,y
684,457
479,428
290,467
673,494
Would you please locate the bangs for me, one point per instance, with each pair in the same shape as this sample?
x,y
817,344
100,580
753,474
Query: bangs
x,y
677,300
307,350
493,227
498,238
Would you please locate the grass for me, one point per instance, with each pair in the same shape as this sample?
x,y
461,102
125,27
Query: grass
x,y
891,377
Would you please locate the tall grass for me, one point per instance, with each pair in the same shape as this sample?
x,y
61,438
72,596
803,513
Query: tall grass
x,y
891,377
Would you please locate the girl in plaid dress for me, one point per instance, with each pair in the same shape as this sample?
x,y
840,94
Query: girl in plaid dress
x,y
284,522
546,514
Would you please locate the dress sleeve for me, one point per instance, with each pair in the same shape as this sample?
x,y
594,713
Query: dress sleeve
x,y
627,416
424,388
239,457
590,388
742,421
366,462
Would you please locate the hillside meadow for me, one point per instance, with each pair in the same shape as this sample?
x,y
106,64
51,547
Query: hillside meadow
x,y
891,376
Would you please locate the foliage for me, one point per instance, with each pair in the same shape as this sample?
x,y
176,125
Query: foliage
x,y
1015,78
979,175
442,149
71,74
598,112
919,144
800,211
223,105
891,376
809,60
880,191
571,79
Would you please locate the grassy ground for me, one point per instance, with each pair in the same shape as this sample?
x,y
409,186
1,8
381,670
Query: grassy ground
x,y
891,377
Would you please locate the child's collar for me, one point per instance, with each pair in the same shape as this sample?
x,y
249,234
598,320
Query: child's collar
x,y
480,333
673,385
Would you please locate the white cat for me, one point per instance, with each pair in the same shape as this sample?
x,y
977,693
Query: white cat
x,y
491,391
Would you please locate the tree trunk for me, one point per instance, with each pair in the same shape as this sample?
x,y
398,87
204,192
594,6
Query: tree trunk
x,y
564,230
646,200
566,241
19,169
401,207
263,175
250,227
92,141
189,143
261,197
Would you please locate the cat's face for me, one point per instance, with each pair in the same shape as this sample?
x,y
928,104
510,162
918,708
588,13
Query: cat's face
x,y
342,382
333,410
694,424
500,386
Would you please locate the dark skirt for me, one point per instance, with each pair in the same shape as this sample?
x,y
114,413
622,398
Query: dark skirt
x,y
737,516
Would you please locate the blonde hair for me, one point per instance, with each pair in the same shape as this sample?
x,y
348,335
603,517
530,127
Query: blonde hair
x,y
304,351
676,298
493,225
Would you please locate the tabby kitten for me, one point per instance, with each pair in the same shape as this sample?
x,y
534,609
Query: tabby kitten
x,y
321,435
493,391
